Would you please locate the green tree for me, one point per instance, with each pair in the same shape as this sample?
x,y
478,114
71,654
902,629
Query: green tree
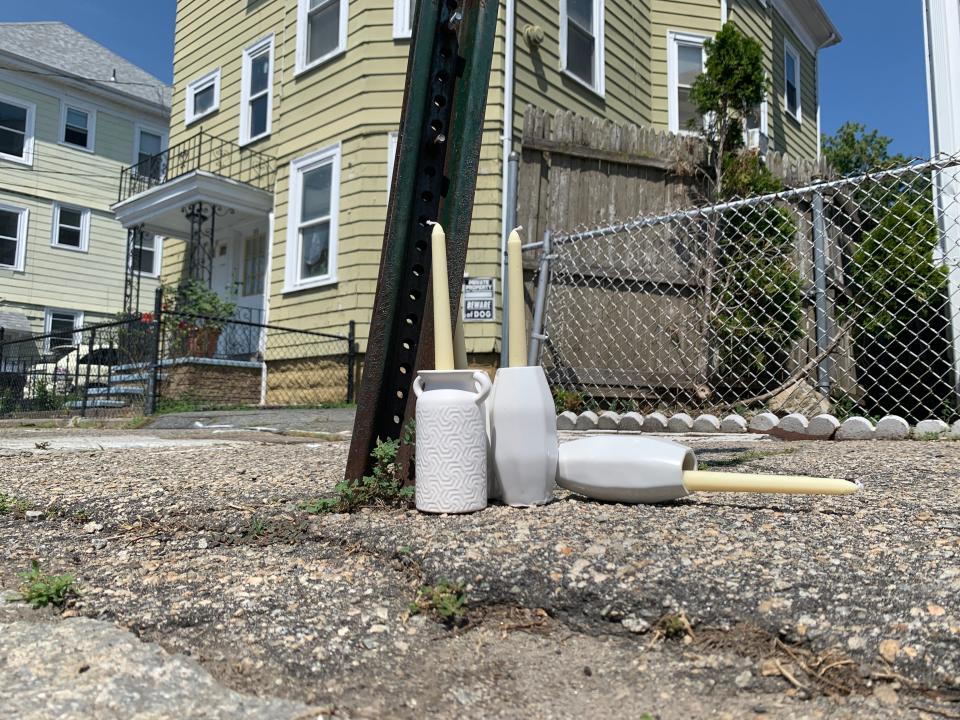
x,y
732,85
854,150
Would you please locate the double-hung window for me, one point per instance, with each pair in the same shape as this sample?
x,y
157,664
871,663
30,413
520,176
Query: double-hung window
x,y
145,255
321,31
149,161
685,61
60,327
71,227
257,91
13,237
203,97
16,130
77,126
403,11
312,219
791,81
581,41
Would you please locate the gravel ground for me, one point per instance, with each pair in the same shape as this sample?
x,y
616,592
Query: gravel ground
x,y
714,606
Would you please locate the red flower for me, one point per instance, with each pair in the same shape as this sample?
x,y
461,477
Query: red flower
x,y
146,318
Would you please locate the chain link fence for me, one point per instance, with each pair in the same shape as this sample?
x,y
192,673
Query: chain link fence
x,y
842,297
173,362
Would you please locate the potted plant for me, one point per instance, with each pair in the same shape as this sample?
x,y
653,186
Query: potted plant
x,y
199,317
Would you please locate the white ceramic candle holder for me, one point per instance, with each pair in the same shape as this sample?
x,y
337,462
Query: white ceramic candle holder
x,y
451,459
523,436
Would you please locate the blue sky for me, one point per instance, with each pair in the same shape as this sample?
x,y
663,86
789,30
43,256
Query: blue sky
x,y
875,76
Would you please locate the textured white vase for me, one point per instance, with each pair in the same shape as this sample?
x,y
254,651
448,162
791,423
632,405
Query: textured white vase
x,y
523,436
451,458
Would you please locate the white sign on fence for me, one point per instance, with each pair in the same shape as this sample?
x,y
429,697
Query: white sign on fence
x,y
478,295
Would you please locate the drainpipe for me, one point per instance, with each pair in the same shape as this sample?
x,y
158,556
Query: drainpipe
x,y
724,12
507,139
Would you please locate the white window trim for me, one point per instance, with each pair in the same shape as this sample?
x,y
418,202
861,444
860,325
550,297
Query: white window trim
x,y
18,261
674,40
391,158
212,77
31,109
402,20
302,64
789,49
84,228
292,280
157,263
599,80
154,130
91,125
78,317
248,55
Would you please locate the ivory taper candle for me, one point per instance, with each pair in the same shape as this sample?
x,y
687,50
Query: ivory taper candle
x,y
442,336
708,481
517,329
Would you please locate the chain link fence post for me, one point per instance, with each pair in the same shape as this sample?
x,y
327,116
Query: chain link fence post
x,y
351,359
150,405
822,318
86,379
537,335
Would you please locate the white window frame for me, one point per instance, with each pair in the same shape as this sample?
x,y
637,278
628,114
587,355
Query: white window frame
x,y
249,53
292,279
599,80
18,261
48,324
789,49
303,10
674,40
84,227
193,87
157,263
91,112
141,128
391,158
28,136
402,20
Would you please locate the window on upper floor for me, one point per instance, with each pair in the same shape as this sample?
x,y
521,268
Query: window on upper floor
x,y
16,130
13,236
71,227
203,97
60,327
685,61
791,81
403,11
148,159
145,258
581,42
312,219
321,31
256,94
77,126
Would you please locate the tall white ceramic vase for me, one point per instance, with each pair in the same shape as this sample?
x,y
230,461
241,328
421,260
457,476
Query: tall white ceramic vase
x,y
451,459
523,436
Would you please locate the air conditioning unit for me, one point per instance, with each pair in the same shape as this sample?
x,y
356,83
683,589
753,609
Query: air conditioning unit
x,y
756,140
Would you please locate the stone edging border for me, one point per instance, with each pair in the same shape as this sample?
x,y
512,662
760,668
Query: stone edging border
x,y
792,427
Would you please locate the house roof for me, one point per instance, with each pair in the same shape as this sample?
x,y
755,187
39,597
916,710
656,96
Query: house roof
x,y
61,50
811,22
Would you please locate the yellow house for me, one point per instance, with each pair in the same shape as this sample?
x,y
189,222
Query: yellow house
x,y
72,116
282,135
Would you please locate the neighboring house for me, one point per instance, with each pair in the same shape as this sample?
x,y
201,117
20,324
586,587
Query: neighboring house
x,y
285,111
72,115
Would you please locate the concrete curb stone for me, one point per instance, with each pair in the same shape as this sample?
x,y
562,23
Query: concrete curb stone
x,y
823,427
733,424
892,427
680,423
926,428
856,428
587,420
567,421
706,424
655,422
608,420
632,421
764,422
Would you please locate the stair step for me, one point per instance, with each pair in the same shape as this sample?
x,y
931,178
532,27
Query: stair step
x,y
115,390
95,403
136,377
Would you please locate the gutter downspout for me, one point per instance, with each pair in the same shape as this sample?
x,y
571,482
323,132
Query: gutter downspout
x,y
507,139
724,12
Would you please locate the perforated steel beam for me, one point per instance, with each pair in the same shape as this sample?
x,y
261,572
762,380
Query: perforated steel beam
x,y
435,177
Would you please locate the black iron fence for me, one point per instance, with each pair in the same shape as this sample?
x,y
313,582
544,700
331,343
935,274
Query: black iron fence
x,y
201,152
168,361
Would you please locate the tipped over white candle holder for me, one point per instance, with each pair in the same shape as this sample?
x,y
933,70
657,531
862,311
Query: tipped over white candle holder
x,y
451,458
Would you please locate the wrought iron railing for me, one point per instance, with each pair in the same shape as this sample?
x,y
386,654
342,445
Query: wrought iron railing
x,y
201,152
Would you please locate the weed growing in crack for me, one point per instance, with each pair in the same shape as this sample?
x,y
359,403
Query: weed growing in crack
x,y
258,528
446,601
382,488
13,505
39,589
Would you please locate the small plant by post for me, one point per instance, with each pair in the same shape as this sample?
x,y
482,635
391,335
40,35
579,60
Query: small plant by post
x,y
38,589
446,601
